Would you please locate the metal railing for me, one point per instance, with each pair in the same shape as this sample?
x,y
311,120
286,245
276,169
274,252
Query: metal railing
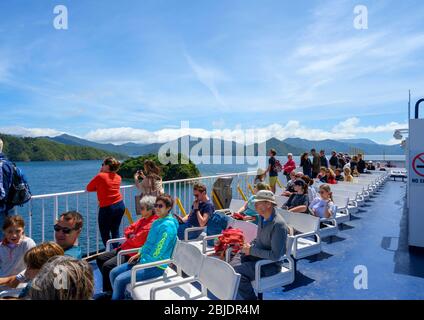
x,y
42,211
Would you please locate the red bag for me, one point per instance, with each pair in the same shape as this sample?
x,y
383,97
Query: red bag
x,y
238,216
233,238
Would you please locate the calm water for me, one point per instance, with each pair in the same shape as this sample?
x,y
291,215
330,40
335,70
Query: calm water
x,y
65,176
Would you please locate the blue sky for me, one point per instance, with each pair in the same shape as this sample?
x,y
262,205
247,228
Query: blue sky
x,y
132,70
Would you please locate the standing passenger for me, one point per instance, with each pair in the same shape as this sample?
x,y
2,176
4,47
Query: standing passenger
x,y
107,184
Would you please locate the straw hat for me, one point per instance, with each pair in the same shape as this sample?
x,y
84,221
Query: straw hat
x,y
260,172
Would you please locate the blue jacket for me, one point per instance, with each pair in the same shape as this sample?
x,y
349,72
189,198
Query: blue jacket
x,y
161,241
5,181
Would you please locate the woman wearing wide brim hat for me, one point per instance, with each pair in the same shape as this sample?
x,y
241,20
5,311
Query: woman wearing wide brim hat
x,y
260,176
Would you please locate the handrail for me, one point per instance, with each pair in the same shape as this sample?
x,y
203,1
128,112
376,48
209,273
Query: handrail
x,y
417,108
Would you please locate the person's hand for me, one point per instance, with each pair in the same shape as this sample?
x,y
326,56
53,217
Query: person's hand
x,y
246,249
134,258
196,204
141,174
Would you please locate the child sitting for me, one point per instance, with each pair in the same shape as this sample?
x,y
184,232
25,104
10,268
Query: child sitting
x,y
14,246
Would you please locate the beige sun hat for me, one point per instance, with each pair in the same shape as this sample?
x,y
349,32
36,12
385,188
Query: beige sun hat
x,y
265,195
260,172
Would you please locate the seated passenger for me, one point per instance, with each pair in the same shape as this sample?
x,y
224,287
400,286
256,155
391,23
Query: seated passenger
x,y
355,173
135,234
14,246
298,202
77,275
67,230
311,190
270,244
201,210
371,166
322,175
260,176
290,187
323,205
347,175
159,246
339,176
331,177
34,259
249,207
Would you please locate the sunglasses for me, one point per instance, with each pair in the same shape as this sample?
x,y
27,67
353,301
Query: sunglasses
x,y
65,230
159,205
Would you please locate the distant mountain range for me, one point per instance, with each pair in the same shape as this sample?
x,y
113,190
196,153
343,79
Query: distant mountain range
x,y
293,145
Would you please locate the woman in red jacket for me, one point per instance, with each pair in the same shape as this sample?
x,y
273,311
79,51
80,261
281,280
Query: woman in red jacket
x,y
107,184
289,166
135,234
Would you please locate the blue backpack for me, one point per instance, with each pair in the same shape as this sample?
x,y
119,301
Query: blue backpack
x,y
19,192
216,224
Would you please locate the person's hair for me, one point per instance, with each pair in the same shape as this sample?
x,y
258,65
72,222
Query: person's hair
x,y
13,220
151,168
331,172
347,171
305,187
323,169
355,158
112,163
327,188
360,155
338,170
199,187
313,150
148,202
166,199
262,186
73,216
322,151
37,256
273,152
1,145
304,155
308,180
77,284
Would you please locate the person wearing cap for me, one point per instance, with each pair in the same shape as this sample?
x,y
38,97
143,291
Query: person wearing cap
x,y
289,166
270,244
370,166
260,176
298,201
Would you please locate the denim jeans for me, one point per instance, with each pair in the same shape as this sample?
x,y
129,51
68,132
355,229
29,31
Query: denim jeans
x,y
109,221
192,235
120,276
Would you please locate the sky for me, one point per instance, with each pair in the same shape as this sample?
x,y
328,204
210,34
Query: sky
x,y
135,70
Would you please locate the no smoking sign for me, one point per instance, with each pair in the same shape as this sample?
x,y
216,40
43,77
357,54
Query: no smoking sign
x,y
418,164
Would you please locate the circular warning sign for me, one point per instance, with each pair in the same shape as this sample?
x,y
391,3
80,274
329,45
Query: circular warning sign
x,y
418,164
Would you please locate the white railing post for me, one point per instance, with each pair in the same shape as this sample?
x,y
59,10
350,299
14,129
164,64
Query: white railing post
x,y
88,225
42,220
30,218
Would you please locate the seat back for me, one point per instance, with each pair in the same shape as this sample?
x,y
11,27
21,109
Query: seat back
x,y
187,258
219,278
236,204
341,201
301,222
281,200
250,230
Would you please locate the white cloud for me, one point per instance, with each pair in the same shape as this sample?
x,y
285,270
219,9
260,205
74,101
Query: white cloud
x,y
349,128
30,132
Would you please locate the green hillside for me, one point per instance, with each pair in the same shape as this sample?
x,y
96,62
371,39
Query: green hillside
x,y
41,149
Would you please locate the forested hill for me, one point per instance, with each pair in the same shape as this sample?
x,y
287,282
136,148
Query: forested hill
x,y
41,149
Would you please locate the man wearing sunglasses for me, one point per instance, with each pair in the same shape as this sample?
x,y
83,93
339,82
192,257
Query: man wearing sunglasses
x,y
201,210
67,230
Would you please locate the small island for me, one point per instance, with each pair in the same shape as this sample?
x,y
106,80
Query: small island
x,y
169,171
